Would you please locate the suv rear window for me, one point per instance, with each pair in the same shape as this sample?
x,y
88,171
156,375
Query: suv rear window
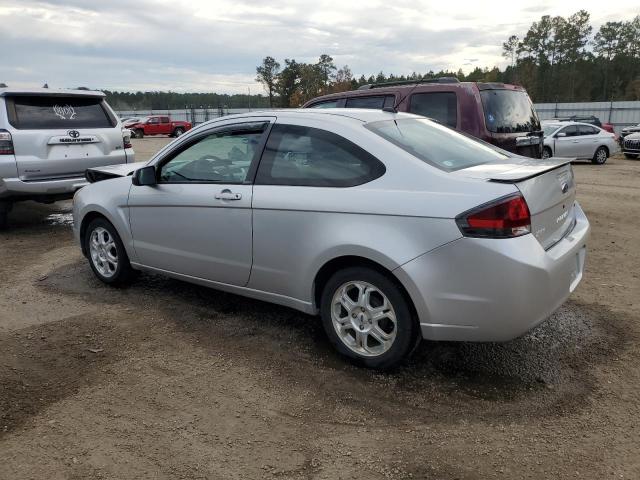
x,y
440,106
436,144
509,111
41,112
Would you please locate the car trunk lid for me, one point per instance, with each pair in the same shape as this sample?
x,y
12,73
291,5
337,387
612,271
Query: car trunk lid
x,y
547,186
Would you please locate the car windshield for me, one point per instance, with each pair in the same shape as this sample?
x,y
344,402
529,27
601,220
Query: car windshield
x,y
549,129
436,144
509,111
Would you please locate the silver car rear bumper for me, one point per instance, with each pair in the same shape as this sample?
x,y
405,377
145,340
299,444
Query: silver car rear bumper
x,y
476,289
14,187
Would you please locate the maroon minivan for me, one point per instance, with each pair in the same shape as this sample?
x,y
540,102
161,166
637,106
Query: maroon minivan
x,y
497,113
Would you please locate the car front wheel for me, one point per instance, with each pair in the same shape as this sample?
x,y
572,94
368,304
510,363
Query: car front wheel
x,y
546,153
106,253
367,318
600,156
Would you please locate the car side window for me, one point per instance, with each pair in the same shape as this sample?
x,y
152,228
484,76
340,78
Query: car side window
x,y
164,119
305,156
440,106
329,104
220,157
587,130
373,102
153,120
570,131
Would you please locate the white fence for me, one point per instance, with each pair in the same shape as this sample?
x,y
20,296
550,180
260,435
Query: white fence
x,y
620,114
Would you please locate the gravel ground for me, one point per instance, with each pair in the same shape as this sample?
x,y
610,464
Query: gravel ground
x,y
169,380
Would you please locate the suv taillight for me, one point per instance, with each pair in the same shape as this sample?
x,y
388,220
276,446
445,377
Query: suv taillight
x,y
126,139
505,218
6,143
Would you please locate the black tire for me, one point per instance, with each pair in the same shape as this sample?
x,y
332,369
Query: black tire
x,y
631,156
123,273
178,131
139,133
600,158
407,329
547,150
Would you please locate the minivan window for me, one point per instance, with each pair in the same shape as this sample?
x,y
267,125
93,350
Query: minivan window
x,y
330,104
305,156
509,111
436,144
440,106
376,102
43,112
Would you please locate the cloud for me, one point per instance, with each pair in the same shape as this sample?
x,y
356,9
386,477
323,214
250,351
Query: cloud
x,y
202,45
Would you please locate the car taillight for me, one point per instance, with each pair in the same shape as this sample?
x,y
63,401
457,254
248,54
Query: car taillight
x,y
6,143
126,140
505,218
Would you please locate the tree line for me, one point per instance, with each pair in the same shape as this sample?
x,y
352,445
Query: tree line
x,y
130,101
557,59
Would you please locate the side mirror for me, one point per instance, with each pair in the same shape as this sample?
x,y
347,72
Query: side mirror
x,y
560,135
146,176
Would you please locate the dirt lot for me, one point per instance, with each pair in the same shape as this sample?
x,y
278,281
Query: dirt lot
x,y
168,380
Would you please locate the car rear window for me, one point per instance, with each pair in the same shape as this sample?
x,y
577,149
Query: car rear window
x,y
41,112
440,106
436,144
509,111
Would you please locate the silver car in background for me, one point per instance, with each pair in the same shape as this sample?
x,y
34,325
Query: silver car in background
x,y
390,226
581,141
49,137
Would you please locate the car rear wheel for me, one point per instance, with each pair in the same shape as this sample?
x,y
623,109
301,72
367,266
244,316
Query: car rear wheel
x,y
546,152
178,131
631,156
368,318
600,156
139,133
106,253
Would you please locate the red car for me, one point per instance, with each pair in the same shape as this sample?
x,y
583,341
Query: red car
x,y
157,125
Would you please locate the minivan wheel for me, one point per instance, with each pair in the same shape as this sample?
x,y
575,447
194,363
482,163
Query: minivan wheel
x,y
546,152
600,156
367,318
106,253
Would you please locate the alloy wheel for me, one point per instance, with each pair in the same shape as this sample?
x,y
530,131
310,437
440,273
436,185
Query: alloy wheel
x,y
363,318
103,251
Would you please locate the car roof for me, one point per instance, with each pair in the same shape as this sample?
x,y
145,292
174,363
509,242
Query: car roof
x,y
361,114
48,92
565,124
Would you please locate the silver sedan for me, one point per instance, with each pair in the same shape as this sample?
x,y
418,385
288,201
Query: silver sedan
x,y
393,228
581,141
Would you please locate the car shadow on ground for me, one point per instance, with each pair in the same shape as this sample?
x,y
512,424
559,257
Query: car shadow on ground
x,y
550,367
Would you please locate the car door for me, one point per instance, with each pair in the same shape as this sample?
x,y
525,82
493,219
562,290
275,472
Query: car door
x,y
197,220
164,126
569,144
152,126
589,140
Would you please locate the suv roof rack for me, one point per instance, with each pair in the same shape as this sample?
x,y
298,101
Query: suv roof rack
x,y
409,82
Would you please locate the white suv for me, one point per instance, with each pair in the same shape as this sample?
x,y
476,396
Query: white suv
x,y
48,138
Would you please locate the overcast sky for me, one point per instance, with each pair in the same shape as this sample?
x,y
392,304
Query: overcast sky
x,y
214,45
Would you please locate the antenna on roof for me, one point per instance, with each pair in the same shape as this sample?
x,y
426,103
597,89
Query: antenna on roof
x,y
394,109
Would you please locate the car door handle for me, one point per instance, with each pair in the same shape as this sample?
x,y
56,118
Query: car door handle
x,y
227,194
